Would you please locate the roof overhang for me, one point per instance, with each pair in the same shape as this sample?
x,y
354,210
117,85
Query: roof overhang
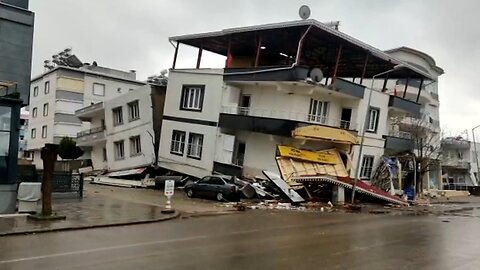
x,y
319,49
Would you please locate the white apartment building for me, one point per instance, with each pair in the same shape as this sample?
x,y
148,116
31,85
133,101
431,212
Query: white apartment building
x,y
231,120
58,93
121,134
459,163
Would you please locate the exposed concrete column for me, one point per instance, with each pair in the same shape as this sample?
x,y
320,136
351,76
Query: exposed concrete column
x,y
338,195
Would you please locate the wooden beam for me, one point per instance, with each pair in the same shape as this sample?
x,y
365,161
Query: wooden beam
x,y
364,67
257,55
406,86
199,57
175,55
419,90
339,53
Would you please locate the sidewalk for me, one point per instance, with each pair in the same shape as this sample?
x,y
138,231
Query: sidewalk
x,y
90,212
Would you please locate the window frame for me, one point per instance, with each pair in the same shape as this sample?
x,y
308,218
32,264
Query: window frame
x,y
35,91
34,112
377,118
132,140
183,97
181,143
93,89
45,113
191,135
46,90
33,133
324,110
116,153
44,134
114,110
363,168
130,106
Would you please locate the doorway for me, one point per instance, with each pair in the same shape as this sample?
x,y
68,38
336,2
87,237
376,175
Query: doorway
x,y
239,154
345,121
245,104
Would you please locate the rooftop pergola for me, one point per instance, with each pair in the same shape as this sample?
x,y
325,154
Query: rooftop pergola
x,y
280,44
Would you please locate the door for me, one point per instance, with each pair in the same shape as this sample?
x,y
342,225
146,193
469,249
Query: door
x,y
245,104
201,187
345,121
215,185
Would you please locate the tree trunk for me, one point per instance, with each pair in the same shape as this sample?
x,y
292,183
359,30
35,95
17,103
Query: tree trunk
x,y
49,156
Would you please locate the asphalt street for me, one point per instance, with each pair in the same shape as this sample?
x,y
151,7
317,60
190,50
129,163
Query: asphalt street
x,y
258,240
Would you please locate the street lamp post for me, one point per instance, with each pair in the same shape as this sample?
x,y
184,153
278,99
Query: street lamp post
x,y
475,149
364,128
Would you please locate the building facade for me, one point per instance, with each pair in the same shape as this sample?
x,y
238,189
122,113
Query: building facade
x,y
16,38
122,129
232,120
59,92
459,163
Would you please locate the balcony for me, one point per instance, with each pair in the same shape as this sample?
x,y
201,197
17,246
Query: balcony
x,y
457,164
266,74
91,136
399,141
276,122
403,105
349,88
455,143
87,113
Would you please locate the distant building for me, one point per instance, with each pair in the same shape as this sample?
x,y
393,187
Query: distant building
x,y
123,129
459,163
56,94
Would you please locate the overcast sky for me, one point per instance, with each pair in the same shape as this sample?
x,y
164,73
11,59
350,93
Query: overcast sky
x,y
126,34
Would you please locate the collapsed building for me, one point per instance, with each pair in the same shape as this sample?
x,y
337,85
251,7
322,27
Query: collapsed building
x,y
292,99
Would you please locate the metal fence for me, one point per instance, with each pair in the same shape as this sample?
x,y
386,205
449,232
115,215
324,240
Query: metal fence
x,y
63,182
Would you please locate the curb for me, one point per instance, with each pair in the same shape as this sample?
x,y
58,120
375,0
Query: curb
x,y
170,217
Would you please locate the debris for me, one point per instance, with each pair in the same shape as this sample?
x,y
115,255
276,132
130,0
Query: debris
x,y
284,187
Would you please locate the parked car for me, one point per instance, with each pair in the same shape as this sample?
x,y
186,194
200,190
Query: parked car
x,y
219,187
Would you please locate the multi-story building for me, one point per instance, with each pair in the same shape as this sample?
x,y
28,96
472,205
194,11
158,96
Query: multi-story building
x,y
62,90
279,78
123,129
459,163
16,38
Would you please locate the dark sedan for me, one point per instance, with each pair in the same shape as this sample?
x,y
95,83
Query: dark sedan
x,y
218,187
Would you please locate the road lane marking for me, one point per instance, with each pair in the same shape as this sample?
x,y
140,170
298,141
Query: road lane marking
x,y
85,251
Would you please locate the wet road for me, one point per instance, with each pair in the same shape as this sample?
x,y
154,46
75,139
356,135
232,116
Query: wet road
x,y
258,240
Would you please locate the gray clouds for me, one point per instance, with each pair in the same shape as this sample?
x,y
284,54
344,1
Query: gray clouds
x,y
127,34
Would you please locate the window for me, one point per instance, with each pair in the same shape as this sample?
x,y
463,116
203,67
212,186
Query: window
x,y
45,109
192,97
367,167
119,150
373,119
99,89
216,181
34,112
178,142
117,116
133,111
35,91
47,87
44,131
318,111
33,133
135,146
104,152
195,145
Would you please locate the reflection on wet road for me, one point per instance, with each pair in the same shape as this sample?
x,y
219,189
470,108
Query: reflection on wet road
x,y
259,240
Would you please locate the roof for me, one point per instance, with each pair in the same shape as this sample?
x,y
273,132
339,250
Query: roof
x,y
429,59
86,71
217,42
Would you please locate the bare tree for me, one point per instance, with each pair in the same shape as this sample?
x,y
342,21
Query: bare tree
x,y
425,136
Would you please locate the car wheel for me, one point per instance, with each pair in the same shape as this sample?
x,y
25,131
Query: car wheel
x,y
219,197
190,193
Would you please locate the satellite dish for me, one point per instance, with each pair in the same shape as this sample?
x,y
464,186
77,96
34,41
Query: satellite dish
x,y
304,12
316,75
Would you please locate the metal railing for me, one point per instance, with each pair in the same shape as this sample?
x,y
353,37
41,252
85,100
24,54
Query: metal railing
x,y
400,134
289,115
90,131
456,163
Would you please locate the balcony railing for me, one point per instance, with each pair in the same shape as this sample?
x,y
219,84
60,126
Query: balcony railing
x,y
456,163
90,131
289,115
400,134
86,113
